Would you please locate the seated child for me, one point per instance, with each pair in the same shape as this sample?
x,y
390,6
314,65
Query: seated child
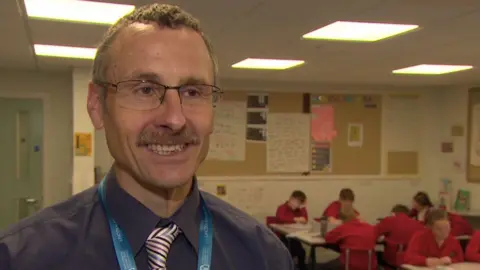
x,y
434,246
332,212
421,206
294,211
472,253
355,237
397,229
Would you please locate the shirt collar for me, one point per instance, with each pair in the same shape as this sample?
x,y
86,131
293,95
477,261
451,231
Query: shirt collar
x,y
137,221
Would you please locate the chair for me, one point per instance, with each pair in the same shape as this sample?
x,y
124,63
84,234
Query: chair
x,y
371,257
398,259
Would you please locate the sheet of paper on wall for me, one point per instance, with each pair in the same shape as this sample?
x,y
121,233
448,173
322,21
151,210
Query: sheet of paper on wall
x,y
355,135
323,123
227,141
402,124
289,142
475,136
249,198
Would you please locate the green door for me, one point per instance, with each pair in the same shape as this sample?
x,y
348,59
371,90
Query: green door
x,y
21,151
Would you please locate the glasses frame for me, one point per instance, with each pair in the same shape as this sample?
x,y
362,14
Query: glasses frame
x,y
216,93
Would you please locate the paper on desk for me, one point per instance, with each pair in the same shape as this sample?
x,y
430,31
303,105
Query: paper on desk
x,y
299,226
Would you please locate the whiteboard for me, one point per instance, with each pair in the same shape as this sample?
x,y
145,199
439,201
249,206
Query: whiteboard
x,y
227,142
403,123
288,142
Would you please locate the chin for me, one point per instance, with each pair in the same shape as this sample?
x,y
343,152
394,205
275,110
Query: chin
x,y
170,179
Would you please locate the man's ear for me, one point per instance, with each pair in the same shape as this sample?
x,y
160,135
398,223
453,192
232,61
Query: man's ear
x,y
95,105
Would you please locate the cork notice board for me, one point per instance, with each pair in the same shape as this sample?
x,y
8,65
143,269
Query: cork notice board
x,y
255,162
473,133
346,134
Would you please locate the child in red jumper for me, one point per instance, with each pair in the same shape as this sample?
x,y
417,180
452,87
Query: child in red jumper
x,y
358,237
398,229
472,253
294,211
434,246
332,212
421,206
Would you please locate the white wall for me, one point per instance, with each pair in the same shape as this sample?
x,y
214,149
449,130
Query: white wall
x,y
454,112
55,89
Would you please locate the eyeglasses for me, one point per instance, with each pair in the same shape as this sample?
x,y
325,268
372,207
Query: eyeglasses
x,y
146,95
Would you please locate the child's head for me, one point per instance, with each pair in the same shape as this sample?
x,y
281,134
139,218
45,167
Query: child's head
x,y
437,221
421,201
347,213
297,199
400,209
346,196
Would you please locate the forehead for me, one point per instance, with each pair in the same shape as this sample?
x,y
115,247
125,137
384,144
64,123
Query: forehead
x,y
172,54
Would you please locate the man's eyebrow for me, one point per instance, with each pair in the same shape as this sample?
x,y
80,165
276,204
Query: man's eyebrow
x,y
154,77
193,80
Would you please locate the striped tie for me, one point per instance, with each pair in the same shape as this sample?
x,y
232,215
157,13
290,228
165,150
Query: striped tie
x,y
158,244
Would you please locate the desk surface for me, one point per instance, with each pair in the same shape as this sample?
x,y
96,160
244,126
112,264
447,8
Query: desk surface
x,y
457,266
287,229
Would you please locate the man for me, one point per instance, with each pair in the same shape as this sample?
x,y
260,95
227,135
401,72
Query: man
x,y
435,245
398,229
294,211
153,90
332,212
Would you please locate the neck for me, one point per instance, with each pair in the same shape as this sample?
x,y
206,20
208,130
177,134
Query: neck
x,y
161,201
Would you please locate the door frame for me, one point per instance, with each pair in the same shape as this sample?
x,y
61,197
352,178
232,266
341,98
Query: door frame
x,y
45,98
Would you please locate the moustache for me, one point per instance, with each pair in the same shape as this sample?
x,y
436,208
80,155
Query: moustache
x,y
167,138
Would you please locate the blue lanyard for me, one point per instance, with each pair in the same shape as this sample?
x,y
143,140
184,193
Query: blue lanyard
x,y
124,252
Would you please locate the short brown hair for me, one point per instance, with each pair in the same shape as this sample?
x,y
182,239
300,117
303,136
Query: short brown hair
x,y
435,215
164,15
347,194
299,195
400,209
347,213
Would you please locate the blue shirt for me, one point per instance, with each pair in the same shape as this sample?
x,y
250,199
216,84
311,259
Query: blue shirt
x,y
74,235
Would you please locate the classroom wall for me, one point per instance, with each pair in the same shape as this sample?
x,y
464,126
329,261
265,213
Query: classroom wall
x,y
56,89
375,195
454,111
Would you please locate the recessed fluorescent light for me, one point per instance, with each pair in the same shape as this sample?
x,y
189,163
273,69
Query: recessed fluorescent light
x,y
275,64
77,11
359,31
431,69
64,51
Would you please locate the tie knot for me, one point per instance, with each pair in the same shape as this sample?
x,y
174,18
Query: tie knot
x,y
170,231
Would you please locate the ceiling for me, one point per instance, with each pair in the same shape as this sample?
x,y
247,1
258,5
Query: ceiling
x,y
273,29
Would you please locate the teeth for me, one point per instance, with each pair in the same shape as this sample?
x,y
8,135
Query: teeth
x,y
166,149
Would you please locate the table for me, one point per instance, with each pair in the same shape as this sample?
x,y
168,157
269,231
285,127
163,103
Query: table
x,y
314,240
456,266
286,229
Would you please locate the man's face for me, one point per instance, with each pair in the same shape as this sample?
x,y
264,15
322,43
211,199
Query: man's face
x,y
441,229
164,146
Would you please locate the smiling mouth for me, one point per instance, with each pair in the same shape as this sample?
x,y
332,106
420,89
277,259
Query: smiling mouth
x,y
166,150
